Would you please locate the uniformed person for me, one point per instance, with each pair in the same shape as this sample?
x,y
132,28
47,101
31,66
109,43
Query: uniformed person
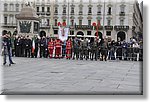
x,y
119,49
81,49
51,47
76,42
23,46
42,43
63,49
36,46
85,48
18,47
58,48
28,47
94,49
46,47
104,49
68,48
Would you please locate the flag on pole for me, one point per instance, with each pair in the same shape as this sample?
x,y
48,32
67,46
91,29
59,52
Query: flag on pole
x,y
98,25
33,46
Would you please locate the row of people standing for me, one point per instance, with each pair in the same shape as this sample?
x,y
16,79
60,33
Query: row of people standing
x,y
82,48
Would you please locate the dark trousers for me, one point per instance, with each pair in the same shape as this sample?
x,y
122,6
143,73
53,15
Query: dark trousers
x,y
85,53
36,52
18,51
104,53
42,51
27,52
76,53
119,53
94,54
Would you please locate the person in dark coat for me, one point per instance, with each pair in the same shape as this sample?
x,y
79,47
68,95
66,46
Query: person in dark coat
x,y
28,46
124,50
119,49
18,47
42,43
76,45
104,49
94,49
23,46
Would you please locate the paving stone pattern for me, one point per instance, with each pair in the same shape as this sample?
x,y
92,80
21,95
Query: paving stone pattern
x,y
61,76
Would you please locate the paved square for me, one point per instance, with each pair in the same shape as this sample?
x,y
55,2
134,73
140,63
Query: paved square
x,y
61,76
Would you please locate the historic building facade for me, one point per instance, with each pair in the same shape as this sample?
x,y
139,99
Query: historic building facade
x,y
119,18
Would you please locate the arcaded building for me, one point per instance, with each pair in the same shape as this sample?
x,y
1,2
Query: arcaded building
x,y
114,18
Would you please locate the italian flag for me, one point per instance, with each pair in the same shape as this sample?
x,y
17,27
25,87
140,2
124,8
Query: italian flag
x,y
33,46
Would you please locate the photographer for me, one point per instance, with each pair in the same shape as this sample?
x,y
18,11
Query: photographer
x,y
6,44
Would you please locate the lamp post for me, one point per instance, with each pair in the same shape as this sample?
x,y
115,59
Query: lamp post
x,y
52,19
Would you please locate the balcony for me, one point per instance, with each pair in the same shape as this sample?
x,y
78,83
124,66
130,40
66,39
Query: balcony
x,y
125,28
83,27
64,13
48,13
72,13
89,13
9,25
55,27
98,13
55,13
122,13
80,13
108,27
99,28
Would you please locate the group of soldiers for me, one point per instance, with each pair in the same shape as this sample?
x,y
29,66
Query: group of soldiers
x,y
73,48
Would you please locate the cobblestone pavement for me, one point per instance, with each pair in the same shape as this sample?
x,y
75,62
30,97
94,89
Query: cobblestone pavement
x,y
61,76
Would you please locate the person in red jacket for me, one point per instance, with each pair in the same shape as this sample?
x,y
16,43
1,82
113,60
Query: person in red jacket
x,y
51,47
58,48
68,48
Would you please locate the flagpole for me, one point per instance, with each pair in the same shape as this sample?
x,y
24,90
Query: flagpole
x,y
103,18
52,19
68,15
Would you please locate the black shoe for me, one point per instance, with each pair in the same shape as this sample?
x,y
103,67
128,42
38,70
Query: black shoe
x,y
4,63
9,64
13,63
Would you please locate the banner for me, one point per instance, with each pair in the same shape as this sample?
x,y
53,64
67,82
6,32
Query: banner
x,y
63,33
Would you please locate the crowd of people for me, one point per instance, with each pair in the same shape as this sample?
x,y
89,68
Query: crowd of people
x,y
73,48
